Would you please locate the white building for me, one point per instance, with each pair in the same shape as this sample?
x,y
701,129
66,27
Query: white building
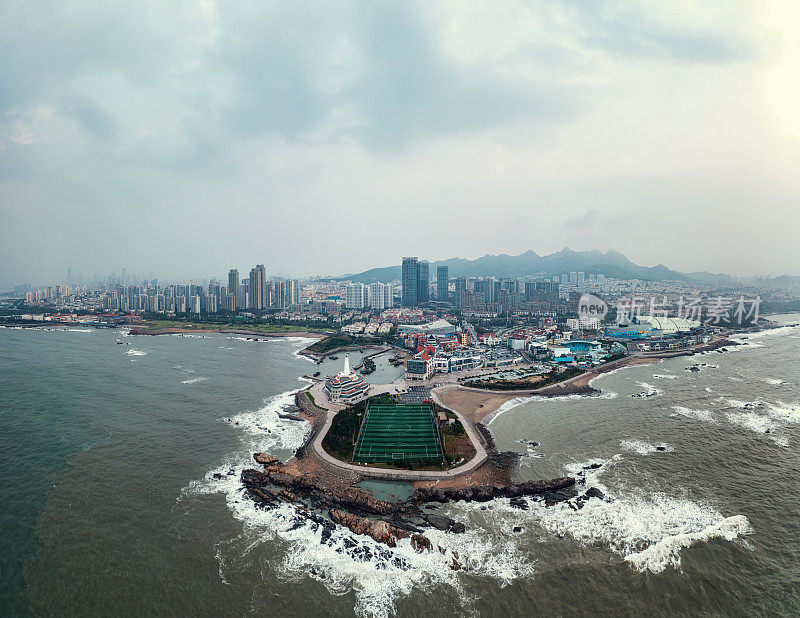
x,y
381,295
346,387
354,329
357,296
293,292
584,323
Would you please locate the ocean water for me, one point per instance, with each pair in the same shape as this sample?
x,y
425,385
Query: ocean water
x,y
110,504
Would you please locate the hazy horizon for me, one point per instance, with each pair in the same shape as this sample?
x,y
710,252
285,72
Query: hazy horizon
x,y
329,139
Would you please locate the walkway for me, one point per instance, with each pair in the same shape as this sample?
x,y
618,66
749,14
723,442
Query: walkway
x,y
406,475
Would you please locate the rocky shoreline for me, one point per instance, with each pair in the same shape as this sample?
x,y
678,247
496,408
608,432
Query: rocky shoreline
x,y
386,521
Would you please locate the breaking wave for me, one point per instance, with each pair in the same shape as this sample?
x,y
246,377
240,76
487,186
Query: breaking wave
x,y
193,380
647,531
518,401
337,558
787,412
645,448
758,424
265,428
700,415
648,391
136,353
664,376
776,382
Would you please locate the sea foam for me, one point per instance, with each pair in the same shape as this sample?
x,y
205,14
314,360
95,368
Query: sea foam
x,y
645,448
648,531
700,415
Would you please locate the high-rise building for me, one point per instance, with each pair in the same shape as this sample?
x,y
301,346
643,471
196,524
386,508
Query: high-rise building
x,y
581,277
293,292
489,290
380,295
442,283
410,282
278,293
573,277
461,288
423,286
357,296
257,287
233,289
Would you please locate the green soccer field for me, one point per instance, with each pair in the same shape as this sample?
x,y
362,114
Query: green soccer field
x,y
396,432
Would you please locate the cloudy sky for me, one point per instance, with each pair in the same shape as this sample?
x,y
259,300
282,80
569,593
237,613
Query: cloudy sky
x,y
182,139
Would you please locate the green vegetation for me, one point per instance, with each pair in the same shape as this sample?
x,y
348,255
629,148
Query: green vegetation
x,y
343,340
341,437
398,433
340,441
458,447
255,327
553,377
311,399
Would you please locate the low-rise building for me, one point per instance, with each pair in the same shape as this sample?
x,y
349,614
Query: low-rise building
x,y
346,387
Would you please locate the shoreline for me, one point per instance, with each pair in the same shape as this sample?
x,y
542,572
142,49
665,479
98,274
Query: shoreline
x,y
183,330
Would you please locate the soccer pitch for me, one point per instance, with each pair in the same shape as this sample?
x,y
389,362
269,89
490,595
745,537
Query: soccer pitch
x,y
392,432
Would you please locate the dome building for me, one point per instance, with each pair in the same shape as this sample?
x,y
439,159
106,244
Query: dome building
x,y
345,387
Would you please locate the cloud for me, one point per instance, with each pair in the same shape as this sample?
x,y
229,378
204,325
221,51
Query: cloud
x,y
460,114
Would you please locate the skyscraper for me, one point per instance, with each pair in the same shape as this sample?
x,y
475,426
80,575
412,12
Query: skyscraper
x,y
461,288
233,289
279,293
442,283
410,282
293,292
423,285
257,287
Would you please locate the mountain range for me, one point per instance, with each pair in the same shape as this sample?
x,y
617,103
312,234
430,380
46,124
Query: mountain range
x,y
530,264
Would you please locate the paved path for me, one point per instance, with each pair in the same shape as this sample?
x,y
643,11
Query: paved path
x,y
406,475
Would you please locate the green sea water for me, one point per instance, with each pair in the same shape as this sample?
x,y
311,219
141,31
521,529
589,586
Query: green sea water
x,y
111,505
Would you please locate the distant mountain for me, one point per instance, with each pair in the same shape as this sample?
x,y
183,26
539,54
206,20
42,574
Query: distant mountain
x,y
530,264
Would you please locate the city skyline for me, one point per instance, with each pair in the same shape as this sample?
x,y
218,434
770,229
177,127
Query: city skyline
x,y
125,275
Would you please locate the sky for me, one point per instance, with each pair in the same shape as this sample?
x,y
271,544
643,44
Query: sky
x,y
183,139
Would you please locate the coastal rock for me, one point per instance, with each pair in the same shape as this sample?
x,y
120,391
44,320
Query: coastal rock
x,y
440,522
593,492
307,485
420,543
458,528
519,503
484,493
381,531
265,459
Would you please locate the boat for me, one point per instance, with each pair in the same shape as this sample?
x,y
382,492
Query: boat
x,y
316,374
333,357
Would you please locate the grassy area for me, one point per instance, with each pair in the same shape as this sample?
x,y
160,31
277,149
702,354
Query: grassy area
x,y
265,329
342,340
338,340
458,447
553,377
313,402
340,439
